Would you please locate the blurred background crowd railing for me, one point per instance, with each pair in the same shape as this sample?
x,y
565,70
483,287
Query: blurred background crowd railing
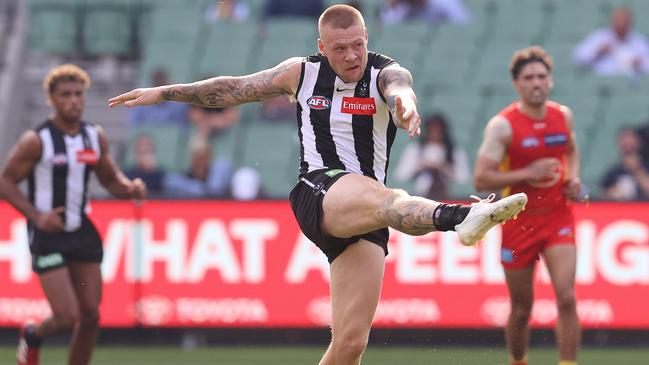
x,y
459,68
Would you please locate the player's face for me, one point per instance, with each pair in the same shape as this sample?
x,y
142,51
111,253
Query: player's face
x,y
534,83
346,50
68,100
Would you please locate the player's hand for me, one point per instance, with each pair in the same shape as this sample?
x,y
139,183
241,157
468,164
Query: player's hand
x,y
137,189
406,111
544,169
572,189
51,221
142,96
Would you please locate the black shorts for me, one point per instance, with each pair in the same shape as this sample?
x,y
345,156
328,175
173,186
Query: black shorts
x,y
306,200
54,250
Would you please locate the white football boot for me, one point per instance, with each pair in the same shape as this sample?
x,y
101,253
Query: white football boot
x,y
485,213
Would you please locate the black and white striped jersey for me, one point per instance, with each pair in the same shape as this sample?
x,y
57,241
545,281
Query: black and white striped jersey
x,y
60,177
342,125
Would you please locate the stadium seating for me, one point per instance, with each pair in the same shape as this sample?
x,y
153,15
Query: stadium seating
x,y
107,27
54,26
460,70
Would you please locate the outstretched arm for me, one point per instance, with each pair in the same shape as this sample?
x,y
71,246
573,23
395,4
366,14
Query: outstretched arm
x,y
395,82
222,91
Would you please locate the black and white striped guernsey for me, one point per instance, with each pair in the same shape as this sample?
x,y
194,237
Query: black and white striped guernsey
x,y
343,125
60,177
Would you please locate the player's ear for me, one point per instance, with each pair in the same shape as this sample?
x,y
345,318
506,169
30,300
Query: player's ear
x,y
551,83
321,47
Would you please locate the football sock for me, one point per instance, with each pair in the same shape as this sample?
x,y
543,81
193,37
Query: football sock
x,y
30,337
447,216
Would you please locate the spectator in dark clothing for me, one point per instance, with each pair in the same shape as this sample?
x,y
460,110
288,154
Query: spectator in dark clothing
x,y
302,8
643,132
207,176
629,178
278,109
146,165
210,122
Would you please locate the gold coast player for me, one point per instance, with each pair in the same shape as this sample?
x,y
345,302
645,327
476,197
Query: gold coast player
x,y
57,159
350,103
530,147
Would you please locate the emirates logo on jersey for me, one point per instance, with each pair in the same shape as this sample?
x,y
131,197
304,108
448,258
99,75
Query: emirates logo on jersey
x,y
318,102
358,106
89,157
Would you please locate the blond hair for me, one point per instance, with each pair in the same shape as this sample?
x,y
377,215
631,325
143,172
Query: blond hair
x,y
64,73
340,16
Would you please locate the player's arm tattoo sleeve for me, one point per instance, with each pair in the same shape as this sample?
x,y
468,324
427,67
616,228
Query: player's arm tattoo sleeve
x,y
224,91
395,80
496,131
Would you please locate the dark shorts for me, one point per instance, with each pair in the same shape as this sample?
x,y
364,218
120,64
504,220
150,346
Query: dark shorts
x,y
53,250
306,200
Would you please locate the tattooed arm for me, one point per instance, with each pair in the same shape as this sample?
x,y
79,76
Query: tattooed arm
x,y
222,91
395,82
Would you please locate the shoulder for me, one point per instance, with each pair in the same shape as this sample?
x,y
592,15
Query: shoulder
x,y
499,126
314,58
379,60
638,37
564,110
29,145
287,74
508,113
30,138
498,121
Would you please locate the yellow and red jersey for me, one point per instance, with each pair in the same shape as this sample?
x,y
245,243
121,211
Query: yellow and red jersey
x,y
534,139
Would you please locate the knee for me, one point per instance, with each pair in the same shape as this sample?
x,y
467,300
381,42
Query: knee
x,y
89,317
350,346
66,321
566,302
521,312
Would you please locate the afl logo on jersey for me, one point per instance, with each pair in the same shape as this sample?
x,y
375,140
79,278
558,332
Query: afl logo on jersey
x,y
318,102
60,159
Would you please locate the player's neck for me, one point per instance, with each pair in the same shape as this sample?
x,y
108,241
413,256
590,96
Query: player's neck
x,y
66,126
536,112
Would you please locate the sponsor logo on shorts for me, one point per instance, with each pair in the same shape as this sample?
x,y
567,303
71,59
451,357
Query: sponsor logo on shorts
x,y
555,139
565,231
318,102
530,142
332,173
51,260
507,255
358,106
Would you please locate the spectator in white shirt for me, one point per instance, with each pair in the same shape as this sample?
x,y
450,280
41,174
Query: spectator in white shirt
x,y
433,11
616,50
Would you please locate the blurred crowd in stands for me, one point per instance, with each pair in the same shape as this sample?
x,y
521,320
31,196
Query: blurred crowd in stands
x,y
431,164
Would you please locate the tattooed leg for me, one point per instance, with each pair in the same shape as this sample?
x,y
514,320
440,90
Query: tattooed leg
x,y
409,214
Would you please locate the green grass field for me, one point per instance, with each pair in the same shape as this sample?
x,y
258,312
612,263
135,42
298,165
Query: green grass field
x,y
310,355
